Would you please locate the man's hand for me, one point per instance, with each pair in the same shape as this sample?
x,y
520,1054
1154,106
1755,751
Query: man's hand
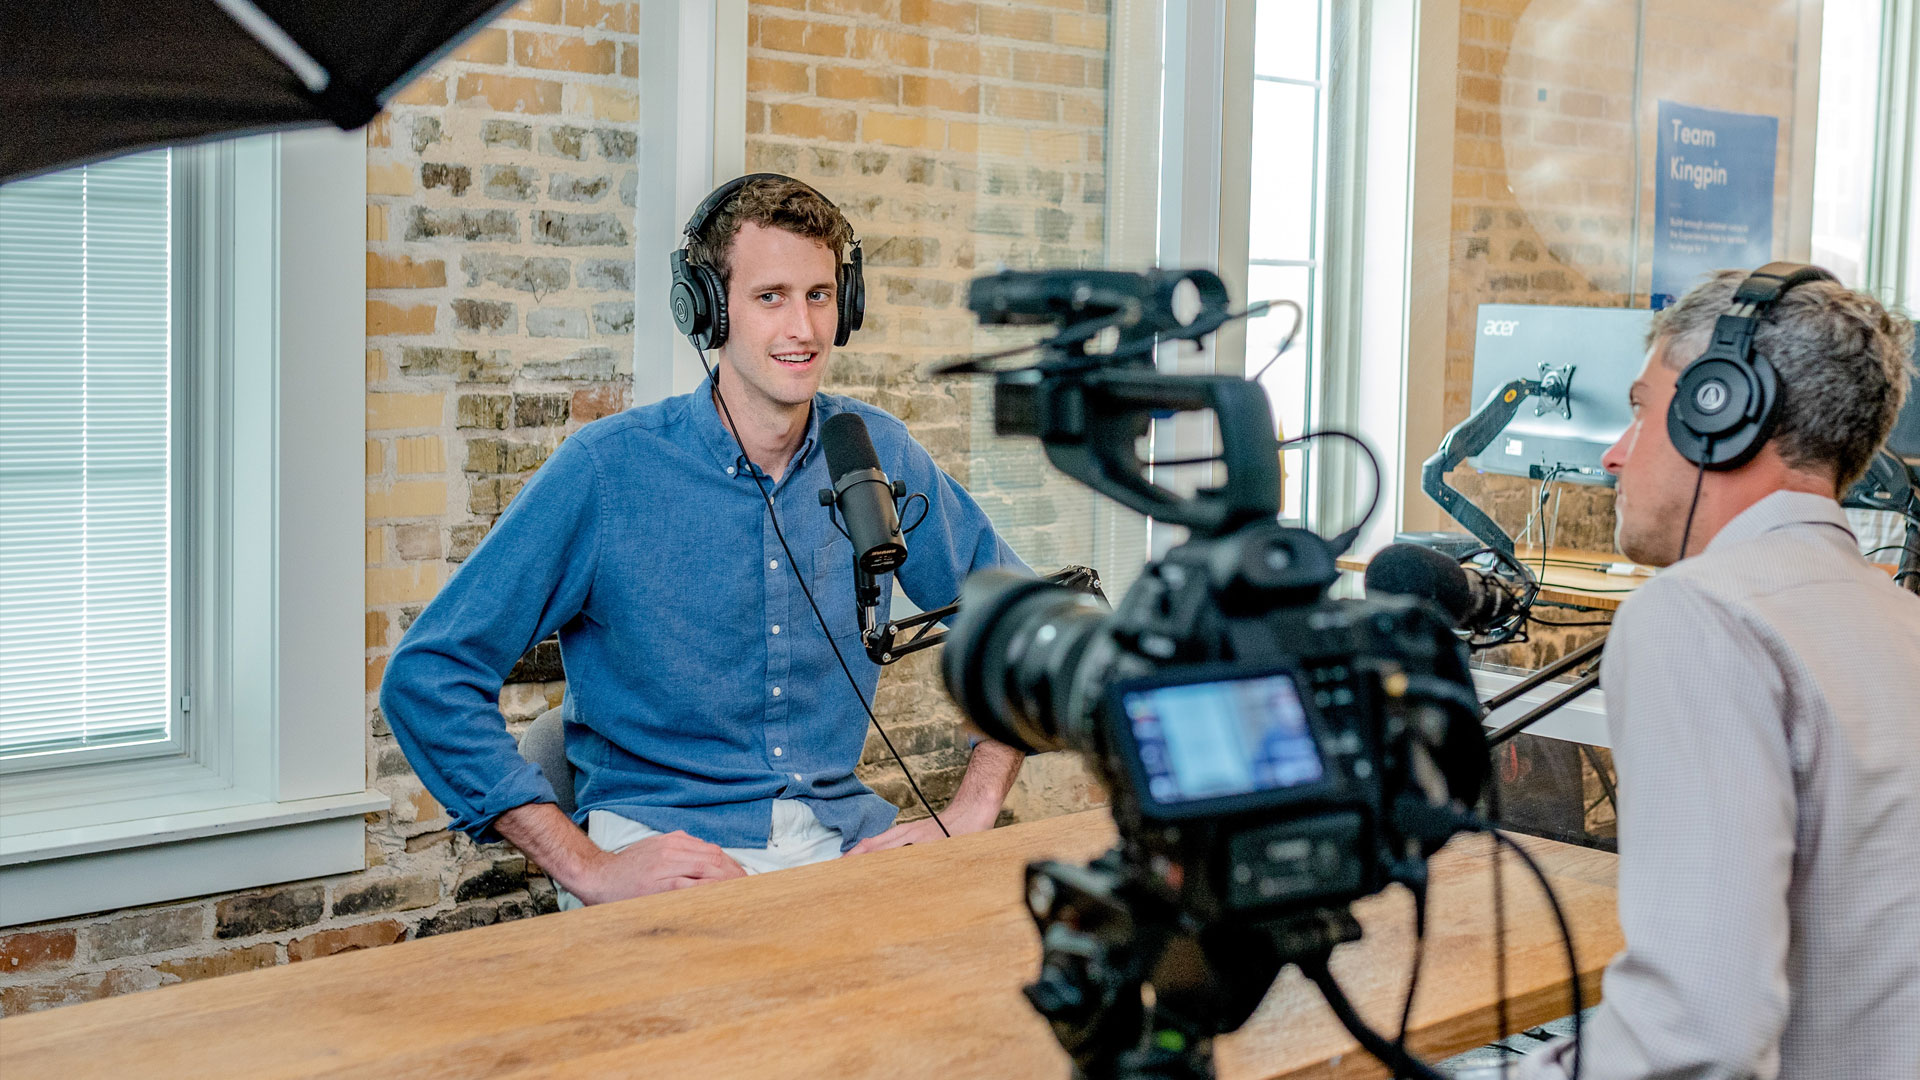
x,y
957,820
657,864
991,771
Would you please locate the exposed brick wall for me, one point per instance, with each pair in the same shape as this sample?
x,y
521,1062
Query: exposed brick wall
x,y
499,318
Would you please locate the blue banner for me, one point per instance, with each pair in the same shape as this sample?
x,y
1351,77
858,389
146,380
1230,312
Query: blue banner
x,y
1713,200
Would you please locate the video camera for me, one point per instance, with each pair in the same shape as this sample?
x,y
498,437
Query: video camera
x,y
1272,754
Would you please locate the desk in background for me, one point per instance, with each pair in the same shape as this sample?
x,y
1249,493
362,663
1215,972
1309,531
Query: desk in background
x,y
904,963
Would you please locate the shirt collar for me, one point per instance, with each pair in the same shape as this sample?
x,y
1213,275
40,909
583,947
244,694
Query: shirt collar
x,y
1779,510
726,451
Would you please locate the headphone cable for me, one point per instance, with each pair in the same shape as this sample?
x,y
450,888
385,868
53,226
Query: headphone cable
x,y
754,470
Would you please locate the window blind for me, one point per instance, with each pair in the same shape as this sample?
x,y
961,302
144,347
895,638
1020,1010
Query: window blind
x,y
85,507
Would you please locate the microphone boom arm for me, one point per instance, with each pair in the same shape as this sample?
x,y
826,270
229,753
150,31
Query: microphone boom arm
x,y
1476,433
883,642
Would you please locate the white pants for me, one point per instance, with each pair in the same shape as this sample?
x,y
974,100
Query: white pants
x,y
797,839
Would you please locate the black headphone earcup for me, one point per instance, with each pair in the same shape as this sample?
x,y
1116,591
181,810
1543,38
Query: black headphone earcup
x,y
853,297
716,303
1723,411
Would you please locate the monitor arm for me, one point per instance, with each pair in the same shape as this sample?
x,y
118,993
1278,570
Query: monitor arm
x,y
1554,388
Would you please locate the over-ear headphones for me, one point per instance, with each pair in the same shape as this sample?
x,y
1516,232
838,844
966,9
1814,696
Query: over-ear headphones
x,y
1726,403
699,297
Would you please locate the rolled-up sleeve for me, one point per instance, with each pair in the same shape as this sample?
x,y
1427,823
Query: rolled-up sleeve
x,y
529,577
1697,713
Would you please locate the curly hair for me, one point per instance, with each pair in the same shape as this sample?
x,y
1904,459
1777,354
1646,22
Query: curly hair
x,y
774,203
1841,356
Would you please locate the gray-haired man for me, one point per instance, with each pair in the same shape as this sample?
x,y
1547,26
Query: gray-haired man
x,y
1763,697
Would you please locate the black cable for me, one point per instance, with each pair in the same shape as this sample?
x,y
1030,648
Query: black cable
x,y
1549,622
793,565
1372,460
926,507
1299,319
1566,934
1505,1021
1315,968
1698,479
1413,980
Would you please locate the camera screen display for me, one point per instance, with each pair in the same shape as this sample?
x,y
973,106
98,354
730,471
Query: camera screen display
x,y
1208,739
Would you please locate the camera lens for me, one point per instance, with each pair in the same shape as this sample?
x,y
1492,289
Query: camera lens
x,y
1012,656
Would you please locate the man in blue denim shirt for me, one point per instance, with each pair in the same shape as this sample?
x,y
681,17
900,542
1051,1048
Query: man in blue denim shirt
x,y
708,720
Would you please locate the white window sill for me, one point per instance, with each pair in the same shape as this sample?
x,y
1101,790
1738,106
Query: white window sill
x,y
175,828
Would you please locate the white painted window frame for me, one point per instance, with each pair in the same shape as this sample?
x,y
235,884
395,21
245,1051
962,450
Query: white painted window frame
x,y
272,784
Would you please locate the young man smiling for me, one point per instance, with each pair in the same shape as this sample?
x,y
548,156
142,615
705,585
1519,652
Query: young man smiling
x,y
713,731
1763,699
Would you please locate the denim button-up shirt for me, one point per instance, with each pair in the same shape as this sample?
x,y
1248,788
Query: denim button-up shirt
x,y
700,686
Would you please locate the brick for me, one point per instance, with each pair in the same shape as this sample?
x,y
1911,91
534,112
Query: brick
x,y
393,178
903,251
562,187
629,59
425,224
777,76
407,499
618,16
612,104
1016,23
1080,31
591,405
424,454
376,547
492,496
539,410
376,224
462,365
495,456
230,962
455,178
462,539
794,36
591,364
498,878
484,317
932,92
1023,103
376,457
74,989
402,272
961,18
385,318
616,145
809,122
577,230
613,317
546,11
509,93
417,542
517,272
268,912
150,932
361,896
425,90
515,182
36,949
376,630
869,9
507,133
557,52
606,275
482,410
395,412
564,141
557,322
345,939
380,132
856,84
959,57
387,585
892,47
892,129
426,132
541,664
1055,69
489,46
460,918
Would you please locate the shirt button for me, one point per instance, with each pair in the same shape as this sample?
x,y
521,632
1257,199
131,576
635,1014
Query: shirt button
x,y
729,470
796,777
776,751
776,628
773,564
776,691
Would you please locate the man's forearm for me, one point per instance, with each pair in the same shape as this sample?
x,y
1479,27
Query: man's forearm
x,y
544,833
990,774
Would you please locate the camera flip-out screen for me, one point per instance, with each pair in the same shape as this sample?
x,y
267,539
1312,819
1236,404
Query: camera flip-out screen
x,y
1206,740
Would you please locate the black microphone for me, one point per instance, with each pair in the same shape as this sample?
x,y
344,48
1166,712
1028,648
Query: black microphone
x,y
1477,602
861,491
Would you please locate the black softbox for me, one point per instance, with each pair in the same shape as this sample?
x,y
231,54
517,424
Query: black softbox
x,y
82,80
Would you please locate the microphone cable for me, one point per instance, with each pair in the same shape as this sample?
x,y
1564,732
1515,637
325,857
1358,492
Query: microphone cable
x,y
767,497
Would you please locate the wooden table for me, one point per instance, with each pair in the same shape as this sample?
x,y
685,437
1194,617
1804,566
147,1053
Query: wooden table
x,y
1572,577
904,963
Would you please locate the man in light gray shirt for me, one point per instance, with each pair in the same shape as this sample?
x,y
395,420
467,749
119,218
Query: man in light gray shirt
x,y
1763,696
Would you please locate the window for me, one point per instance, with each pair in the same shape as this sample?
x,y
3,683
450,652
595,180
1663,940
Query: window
x,y
87,634
222,308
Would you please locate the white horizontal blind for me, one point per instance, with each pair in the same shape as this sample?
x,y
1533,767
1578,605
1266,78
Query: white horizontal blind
x,y
85,387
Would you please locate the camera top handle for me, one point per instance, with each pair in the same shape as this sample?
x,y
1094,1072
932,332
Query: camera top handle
x,y
1089,421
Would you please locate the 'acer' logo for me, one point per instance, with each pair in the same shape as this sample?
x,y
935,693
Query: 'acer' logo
x,y
1500,327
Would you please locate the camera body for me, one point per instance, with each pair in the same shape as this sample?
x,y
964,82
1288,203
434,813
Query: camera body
x,y
1271,754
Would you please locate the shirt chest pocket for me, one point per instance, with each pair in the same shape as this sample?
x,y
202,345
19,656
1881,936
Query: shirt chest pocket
x,y
832,585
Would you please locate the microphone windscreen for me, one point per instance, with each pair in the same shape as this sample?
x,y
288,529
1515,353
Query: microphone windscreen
x,y
844,437
1412,570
